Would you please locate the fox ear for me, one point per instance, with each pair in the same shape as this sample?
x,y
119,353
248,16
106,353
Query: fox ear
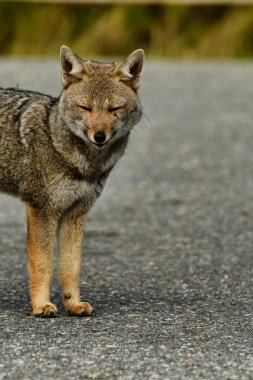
x,y
130,69
71,66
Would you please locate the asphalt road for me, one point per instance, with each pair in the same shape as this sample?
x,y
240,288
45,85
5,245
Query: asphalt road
x,y
168,250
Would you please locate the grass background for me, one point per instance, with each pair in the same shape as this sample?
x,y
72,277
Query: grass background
x,y
113,30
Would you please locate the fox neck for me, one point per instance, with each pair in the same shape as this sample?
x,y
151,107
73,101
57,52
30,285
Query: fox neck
x,y
89,161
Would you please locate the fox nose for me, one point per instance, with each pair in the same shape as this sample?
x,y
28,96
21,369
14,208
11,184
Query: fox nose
x,y
100,137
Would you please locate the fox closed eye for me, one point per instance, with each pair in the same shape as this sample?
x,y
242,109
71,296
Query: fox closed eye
x,y
85,108
89,109
114,109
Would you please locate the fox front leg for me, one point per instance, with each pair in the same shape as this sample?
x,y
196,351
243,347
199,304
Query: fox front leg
x,y
70,252
40,247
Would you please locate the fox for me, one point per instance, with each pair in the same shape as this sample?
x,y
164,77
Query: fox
x,y
56,154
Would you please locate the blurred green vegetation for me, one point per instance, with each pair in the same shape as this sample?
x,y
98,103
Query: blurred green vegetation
x,y
113,30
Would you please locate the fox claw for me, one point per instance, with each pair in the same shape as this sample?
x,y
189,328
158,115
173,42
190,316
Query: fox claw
x,y
81,309
46,311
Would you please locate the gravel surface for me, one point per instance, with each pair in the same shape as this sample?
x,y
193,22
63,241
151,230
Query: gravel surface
x,y
168,250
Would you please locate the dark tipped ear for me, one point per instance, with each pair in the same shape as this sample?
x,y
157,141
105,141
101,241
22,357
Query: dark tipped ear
x,y
71,66
130,69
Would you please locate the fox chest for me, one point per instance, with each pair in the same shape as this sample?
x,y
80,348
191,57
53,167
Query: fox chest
x,y
69,192
82,189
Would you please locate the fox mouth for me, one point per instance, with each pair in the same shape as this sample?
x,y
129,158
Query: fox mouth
x,y
100,145
100,139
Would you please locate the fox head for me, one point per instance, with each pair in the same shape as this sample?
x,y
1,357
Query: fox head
x,y
99,102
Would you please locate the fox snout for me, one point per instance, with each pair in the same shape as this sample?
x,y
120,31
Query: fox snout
x,y
99,137
99,128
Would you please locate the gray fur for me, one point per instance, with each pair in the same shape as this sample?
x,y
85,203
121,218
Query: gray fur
x,y
43,161
52,160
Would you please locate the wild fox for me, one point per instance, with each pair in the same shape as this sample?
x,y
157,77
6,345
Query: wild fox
x,y
56,154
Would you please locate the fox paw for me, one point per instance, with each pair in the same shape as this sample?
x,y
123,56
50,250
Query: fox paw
x,y
81,309
48,310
